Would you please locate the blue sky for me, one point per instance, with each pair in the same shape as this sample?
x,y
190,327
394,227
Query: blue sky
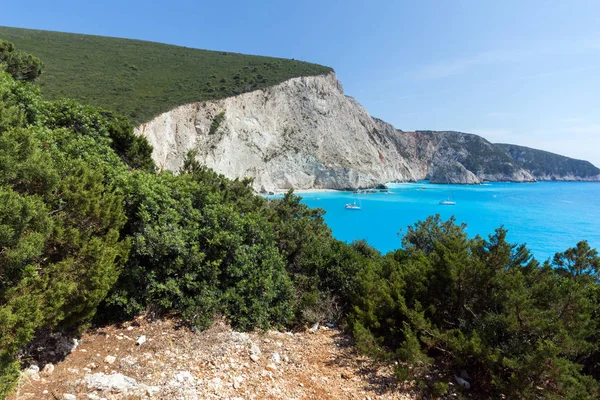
x,y
524,72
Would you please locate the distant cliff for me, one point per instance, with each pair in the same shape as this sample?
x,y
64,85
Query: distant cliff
x,y
549,166
305,133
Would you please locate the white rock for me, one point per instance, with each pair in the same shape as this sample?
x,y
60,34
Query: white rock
x,y
314,328
254,357
141,340
237,382
118,383
110,359
68,396
184,376
215,384
276,357
302,133
152,390
93,396
32,372
271,367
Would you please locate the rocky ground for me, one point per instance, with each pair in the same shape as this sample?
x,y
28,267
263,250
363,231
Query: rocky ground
x,y
161,360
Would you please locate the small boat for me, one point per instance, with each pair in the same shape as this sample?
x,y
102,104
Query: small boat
x,y
448,202
352,206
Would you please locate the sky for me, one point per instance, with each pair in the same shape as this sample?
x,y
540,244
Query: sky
x,y
525,72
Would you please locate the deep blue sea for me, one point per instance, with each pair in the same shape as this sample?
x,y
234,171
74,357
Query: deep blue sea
x,y
547,216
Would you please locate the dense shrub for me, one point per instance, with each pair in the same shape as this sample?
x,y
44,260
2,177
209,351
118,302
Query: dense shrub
x,y
22,66
60,246
201,250
516,327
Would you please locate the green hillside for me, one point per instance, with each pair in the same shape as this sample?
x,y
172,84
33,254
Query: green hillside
x,y
143,79
543,163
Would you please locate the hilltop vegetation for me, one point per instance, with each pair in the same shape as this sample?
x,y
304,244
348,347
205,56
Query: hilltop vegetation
x,y
89,232
141,79
546,165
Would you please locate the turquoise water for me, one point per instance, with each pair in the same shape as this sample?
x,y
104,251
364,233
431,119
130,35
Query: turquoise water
x,y
547,216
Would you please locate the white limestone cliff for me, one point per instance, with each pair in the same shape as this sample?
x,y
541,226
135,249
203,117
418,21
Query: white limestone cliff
x,y
305,133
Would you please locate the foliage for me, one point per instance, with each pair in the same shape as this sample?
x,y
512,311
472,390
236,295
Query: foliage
x,y
518,328
143,79
22,66
199,250
60,245
543,163
214,126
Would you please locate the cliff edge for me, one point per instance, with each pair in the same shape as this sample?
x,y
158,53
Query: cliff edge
x,y
305,133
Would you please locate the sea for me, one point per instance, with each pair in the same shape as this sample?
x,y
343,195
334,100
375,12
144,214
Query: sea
x,y
546,216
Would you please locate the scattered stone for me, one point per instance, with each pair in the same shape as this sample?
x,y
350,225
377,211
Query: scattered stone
x,y
68,396
92,365
32,372
93,396
314,328
184,376
152,390
130,328
462,382
141,340
110,359
275,356
215,384
128,361
237,382
118,383
271,367
254,357
346,376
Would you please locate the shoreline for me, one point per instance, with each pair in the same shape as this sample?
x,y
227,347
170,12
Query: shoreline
x,y
390,185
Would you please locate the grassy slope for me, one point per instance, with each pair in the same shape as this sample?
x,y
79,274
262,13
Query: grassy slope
x,y
143,79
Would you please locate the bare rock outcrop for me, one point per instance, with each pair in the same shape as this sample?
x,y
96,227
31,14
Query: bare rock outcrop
x,y
305,133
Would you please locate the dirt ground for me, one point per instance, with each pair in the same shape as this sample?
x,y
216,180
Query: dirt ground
x,y
176,363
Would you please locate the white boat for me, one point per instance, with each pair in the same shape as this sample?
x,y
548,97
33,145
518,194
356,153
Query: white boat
x,y
448,202
352,206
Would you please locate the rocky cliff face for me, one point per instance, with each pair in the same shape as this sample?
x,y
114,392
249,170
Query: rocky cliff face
x,y
305,133
549,166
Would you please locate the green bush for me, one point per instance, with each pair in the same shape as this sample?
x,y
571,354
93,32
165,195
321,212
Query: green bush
x,y
59,238
199,250
216,123
519,329
20,65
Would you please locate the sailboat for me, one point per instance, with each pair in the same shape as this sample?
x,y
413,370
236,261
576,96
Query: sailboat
x,y
352,206
448,202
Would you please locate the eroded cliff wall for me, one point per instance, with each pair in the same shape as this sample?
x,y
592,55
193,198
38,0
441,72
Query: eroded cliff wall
x,y
305,133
